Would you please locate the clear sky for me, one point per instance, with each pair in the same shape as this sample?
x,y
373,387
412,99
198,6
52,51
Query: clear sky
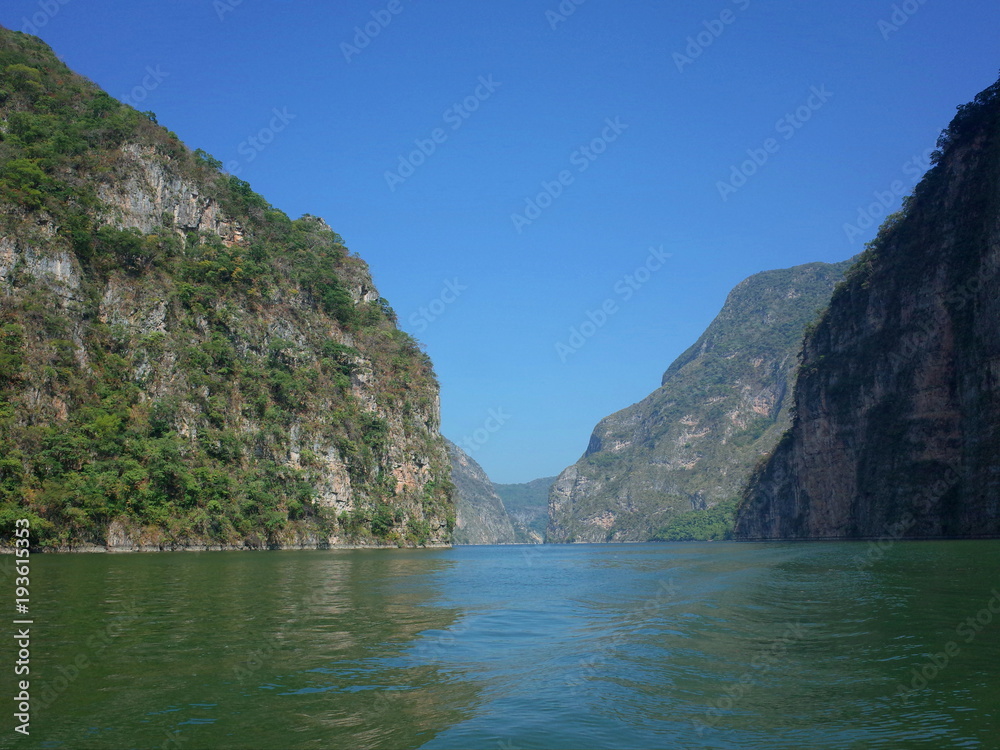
x,y
506,167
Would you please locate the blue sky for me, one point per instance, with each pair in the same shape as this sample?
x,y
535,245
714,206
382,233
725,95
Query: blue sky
x,y
507,168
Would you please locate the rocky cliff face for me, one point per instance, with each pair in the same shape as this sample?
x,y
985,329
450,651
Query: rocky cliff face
x,y
181,363
897,425
480,516
692,443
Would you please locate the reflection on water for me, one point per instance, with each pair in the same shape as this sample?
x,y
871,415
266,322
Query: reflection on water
x,y
677,646
275,650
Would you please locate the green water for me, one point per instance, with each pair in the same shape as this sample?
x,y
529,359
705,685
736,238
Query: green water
x,y
672,646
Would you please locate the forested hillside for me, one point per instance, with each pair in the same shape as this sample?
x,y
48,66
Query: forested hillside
x,y
180,362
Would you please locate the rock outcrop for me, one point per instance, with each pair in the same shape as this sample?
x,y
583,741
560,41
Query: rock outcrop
x,y
897,403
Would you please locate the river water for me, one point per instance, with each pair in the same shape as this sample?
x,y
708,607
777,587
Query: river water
x,y
607,646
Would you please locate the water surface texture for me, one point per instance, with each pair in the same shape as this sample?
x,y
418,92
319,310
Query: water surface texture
x,y
613,646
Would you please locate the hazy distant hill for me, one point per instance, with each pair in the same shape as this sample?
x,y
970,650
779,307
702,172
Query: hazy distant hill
x,y
528,507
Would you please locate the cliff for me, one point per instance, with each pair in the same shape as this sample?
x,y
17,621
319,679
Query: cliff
x,y
897,403
182,364
480,516
692,443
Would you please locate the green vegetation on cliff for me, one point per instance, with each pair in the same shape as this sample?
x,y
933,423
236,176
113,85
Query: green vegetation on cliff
x,y
179,357
711,524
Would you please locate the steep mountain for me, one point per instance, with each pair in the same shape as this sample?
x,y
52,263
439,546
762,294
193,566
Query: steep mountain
x,y
692,443
897,403
480,516
527,505
181,363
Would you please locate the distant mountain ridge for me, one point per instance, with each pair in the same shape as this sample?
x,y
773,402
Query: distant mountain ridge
x,y
692,443
527,505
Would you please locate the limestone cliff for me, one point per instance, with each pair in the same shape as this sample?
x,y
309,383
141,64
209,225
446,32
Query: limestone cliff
x,y
692,443
480,516
897,403
181,363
